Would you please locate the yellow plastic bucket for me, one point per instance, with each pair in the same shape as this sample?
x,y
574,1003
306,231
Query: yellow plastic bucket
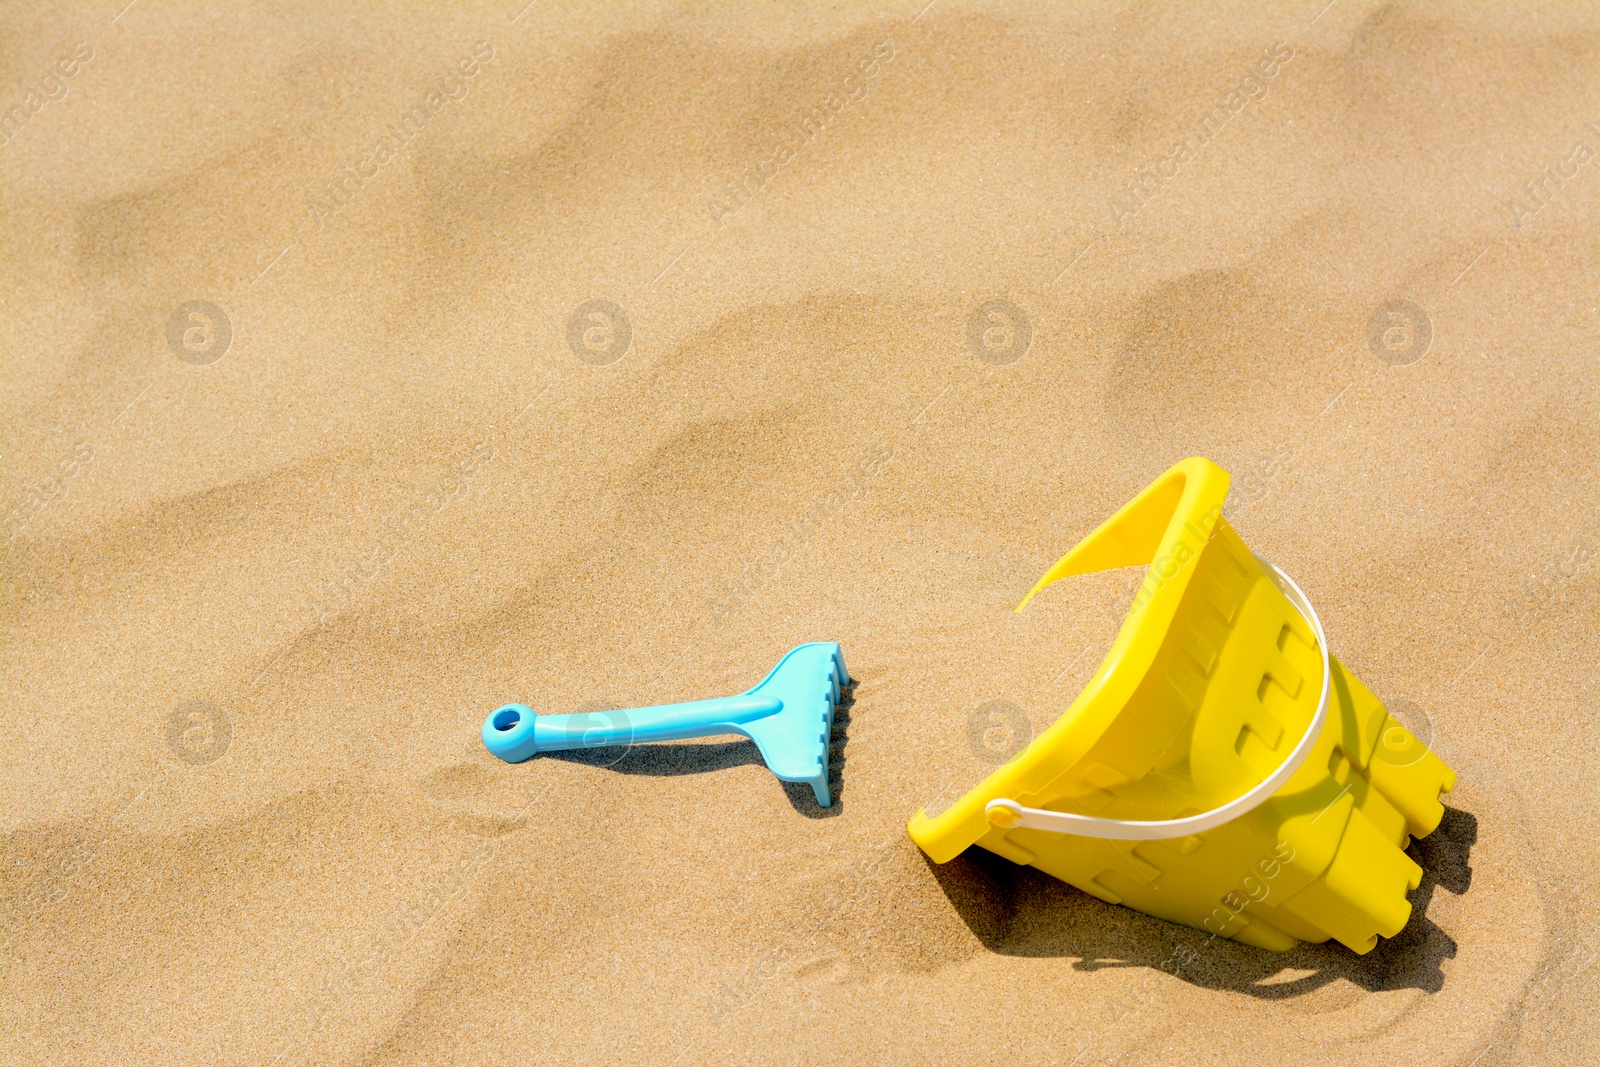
x,y
1220,769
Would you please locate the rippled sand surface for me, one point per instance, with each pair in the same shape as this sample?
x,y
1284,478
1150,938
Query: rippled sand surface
x,y
366,367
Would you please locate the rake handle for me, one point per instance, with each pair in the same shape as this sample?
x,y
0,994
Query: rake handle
x,y
664,722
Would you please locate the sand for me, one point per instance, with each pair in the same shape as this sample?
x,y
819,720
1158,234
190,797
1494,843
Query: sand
x,y
308,465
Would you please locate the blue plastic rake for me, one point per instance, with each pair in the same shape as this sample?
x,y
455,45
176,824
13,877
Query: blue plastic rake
x,y
789,716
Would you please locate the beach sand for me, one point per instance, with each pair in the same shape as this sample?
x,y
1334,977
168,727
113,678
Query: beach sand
x,y
315,451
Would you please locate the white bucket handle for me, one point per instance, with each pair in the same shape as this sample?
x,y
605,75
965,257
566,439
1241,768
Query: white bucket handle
x,y
1124,830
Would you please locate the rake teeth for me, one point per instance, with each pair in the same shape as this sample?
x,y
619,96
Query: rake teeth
x,y
828,704
830,681
836,682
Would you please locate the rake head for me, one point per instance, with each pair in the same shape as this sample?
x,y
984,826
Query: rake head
x,y
794,742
